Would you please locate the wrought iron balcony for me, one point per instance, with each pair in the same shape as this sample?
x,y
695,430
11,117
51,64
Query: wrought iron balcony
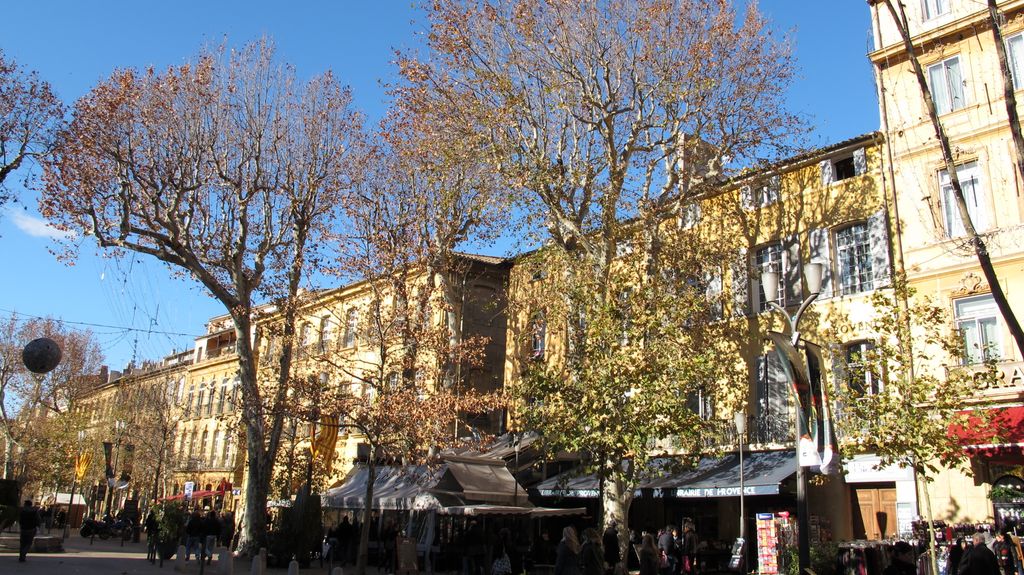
x,y
762,430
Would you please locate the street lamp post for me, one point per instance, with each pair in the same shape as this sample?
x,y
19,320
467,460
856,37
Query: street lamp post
x,y
119,427
74,480
770,284
740,419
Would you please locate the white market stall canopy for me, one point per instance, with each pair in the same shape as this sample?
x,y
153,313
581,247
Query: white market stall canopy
x,y
461,480
712,477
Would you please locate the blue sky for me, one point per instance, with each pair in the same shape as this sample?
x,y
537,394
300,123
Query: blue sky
x,y
73,44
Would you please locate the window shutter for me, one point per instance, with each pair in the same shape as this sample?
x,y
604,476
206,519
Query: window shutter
x,y
793,270
746,198
773,389
740,284
774,188
826,172
821,253
860,162
878,233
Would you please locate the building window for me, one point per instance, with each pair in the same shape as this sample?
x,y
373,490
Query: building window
x,y
860,376
947,85
689,216
935,8
188,400
202,445
853,248
209,400
234,394
326,333
538,337
215,448
968,174
351,327
977,318
1015,55
701,403
226,453
761,195
770,258
223,396
200,400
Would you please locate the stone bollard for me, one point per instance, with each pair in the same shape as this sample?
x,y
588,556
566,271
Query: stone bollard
x,y
225,562
257,566
293,567
263,560
179,559
336,571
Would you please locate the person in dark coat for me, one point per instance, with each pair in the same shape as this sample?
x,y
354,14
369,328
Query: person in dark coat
x,y
227,529
211,530
28,522
903,560
152,528
956,553
567,556
667,545
591,554
649,554
979,559
1006,554
542,552
610,542
688,549
345,534
194,530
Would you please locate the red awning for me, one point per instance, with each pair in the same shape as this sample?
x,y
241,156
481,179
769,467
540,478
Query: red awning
x,y
999,440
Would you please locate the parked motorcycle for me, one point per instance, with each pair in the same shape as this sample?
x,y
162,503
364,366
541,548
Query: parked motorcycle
x,y
92,527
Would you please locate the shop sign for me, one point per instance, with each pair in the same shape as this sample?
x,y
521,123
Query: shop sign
x,y
189,487
1008,375
863,469
707,492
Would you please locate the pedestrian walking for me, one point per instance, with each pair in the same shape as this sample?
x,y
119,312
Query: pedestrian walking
x,y
194,532
650,556
567,556
667,546
979,559
591,554
610,542
28,522
211,529
152,529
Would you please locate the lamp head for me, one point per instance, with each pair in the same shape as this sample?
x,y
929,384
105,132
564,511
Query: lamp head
x,y
770,284
740,419
812,273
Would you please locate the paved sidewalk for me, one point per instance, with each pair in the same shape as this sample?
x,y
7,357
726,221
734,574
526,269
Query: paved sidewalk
x,y
109,558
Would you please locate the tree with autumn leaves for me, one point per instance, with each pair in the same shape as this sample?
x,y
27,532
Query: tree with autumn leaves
x,y
606,119
893,405
407,365
39,413
30,115
231,171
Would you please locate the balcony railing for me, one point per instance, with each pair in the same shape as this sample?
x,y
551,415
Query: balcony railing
x,y
761,430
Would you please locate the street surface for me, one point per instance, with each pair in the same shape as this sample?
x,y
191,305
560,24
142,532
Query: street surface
x,y
109,558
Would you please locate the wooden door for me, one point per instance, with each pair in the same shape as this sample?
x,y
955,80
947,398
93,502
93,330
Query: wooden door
x,y
874,512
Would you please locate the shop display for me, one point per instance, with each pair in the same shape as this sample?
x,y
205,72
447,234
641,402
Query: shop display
x,y
767,544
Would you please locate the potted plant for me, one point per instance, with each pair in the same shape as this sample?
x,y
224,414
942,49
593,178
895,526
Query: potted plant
x,y
170,518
